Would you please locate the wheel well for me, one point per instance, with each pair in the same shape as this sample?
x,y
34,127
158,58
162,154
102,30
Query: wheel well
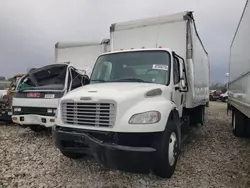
x,y
173,114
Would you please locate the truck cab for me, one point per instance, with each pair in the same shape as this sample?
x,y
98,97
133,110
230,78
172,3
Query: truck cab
x,y
38,93
142,97
130,110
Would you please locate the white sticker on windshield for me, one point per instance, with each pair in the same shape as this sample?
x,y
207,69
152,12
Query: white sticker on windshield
x,y
160,67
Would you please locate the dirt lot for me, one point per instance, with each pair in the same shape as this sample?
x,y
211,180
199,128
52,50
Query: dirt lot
x,y
213,157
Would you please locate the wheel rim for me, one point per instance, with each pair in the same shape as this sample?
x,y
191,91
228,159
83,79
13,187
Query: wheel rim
x,y
172,149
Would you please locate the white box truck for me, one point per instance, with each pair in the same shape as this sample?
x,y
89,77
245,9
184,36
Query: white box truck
x,y
142,96
38,93
239,76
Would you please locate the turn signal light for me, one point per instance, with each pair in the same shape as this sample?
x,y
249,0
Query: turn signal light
x,y
14,118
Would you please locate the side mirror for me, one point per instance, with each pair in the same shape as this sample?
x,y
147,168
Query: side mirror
x,y
183,73
183,83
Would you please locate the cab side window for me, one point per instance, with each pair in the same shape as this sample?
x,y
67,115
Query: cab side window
x,y
176,70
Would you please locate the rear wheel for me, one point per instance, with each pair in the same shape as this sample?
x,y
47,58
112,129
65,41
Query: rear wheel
x,y
37,128
211,98
238,123
201,115
224,99
72,155
167,150
197,116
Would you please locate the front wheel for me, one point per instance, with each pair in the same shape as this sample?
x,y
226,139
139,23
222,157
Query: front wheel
x,y
167,150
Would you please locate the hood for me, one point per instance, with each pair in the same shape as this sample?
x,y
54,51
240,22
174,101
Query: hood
x,y
112,91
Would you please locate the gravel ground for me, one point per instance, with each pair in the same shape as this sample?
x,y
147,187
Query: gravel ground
x,y
213,157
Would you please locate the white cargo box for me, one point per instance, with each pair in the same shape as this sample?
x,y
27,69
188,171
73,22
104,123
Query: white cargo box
x,y
239,74
81,54
177,32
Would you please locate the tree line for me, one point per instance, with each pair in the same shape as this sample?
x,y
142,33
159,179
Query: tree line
x,y
3,78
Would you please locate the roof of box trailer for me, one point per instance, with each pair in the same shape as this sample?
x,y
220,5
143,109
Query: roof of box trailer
x,y
151,21
60,45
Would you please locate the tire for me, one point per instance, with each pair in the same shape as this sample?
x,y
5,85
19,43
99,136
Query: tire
x,y
167,150
198,116
207,104
201,114
37,128
238,124
224,99
211,98
248,128
72,155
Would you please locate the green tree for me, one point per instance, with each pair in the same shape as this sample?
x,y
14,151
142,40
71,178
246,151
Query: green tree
x,y
2,78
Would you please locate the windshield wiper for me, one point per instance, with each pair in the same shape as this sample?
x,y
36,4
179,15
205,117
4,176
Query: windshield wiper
x,y
129,79
98,80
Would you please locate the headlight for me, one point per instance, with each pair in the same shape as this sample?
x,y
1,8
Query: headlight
x,y
50,111
145,118
17,109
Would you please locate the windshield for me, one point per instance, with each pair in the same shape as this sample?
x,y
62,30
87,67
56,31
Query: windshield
x,y
143,66
51,77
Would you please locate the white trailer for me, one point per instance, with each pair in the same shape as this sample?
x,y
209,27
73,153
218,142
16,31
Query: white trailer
x,y
239,76
141,99
79,54
39,92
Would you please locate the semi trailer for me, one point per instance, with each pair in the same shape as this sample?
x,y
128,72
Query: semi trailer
x,y
239,76
142,98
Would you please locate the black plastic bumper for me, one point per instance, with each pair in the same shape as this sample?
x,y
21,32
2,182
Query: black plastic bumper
x,y
126,158
4,116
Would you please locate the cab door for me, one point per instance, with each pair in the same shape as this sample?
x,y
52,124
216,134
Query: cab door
x,y
178,97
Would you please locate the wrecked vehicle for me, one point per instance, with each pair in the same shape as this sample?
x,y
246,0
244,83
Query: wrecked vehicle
x,y
7,97
38,93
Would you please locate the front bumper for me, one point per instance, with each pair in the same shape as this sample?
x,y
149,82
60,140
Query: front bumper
x,y
111,155
5,115
32,119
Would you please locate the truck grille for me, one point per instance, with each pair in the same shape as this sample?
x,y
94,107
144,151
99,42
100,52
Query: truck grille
x,y
89,114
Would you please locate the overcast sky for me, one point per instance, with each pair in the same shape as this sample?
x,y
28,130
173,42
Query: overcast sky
x,y
29,29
